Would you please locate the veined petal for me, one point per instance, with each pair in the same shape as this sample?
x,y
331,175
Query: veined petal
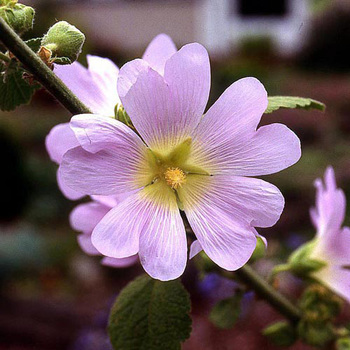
x,y
149,222
119,263
95,133
227,238
195,249
95,86
270,149
84,241
329,213
67,191
336,279
112,171
160,49
163,243
60,139
84,217
166,110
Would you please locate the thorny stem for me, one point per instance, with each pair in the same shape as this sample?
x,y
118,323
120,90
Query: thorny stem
x,y
61,92
248,276
39,69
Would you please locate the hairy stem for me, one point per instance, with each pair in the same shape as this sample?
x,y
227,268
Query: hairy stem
x,y
247,275
39,69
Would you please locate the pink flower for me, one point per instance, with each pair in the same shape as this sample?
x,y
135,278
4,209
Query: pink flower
x,y
181,159
96,86
332,242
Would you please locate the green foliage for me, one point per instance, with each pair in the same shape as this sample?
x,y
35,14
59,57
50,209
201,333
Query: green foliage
x,y
281,333
277,102
14,89
150,315
64,42
343,344
18,16
34,44
316,333
226,312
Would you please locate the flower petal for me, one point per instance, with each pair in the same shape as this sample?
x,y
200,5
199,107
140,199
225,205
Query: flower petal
x,y
226,236
60,139
195,249
329,213
67,191
163,243
119,263
95,86
336,279
109,172
166,110
95,132
160,49
226,139
84,217
84,241
232,146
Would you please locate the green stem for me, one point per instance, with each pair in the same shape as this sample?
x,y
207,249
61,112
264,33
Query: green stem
x,y
247,275
39,69
4,57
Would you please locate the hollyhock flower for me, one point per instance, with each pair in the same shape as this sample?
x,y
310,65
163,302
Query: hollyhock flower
x,y
332,242
183,160
85,217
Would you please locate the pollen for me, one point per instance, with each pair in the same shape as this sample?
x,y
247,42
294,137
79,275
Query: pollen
x,y
174,177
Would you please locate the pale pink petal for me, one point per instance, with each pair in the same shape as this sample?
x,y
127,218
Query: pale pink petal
x,y
85,244
160,49
95,86
95,133
109,201
84,217
195,249
60,139
336,279
67,191
117,234
329,213
270,149
166,110
120,168
163,243
225,236
119,263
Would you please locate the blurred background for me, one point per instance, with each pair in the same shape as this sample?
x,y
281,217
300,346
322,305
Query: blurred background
x,y
52,295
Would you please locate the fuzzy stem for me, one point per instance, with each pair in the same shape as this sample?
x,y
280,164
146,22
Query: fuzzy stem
x,y
39,69
247,275
5,58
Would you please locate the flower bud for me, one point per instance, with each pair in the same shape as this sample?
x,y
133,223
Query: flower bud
x,y
17,16
64,42
281,333
259,251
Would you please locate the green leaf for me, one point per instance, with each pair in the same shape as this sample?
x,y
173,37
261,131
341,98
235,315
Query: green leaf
x,y
281,333
14,89
226,312
343,343
34,44
277,102
150,315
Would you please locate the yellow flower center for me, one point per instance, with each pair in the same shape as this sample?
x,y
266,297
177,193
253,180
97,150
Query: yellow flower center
x,y
175,177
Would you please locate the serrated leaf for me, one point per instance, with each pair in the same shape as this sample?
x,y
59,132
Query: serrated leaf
x,y
226,312
14,90
277,102
34,44
150,315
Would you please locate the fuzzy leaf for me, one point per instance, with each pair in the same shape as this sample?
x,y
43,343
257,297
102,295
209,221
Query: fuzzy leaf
x,y
277,102
14,90
34,44
150,315
226,312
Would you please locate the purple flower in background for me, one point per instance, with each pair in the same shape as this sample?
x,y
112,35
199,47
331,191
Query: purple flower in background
x,y
332,242
181,159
